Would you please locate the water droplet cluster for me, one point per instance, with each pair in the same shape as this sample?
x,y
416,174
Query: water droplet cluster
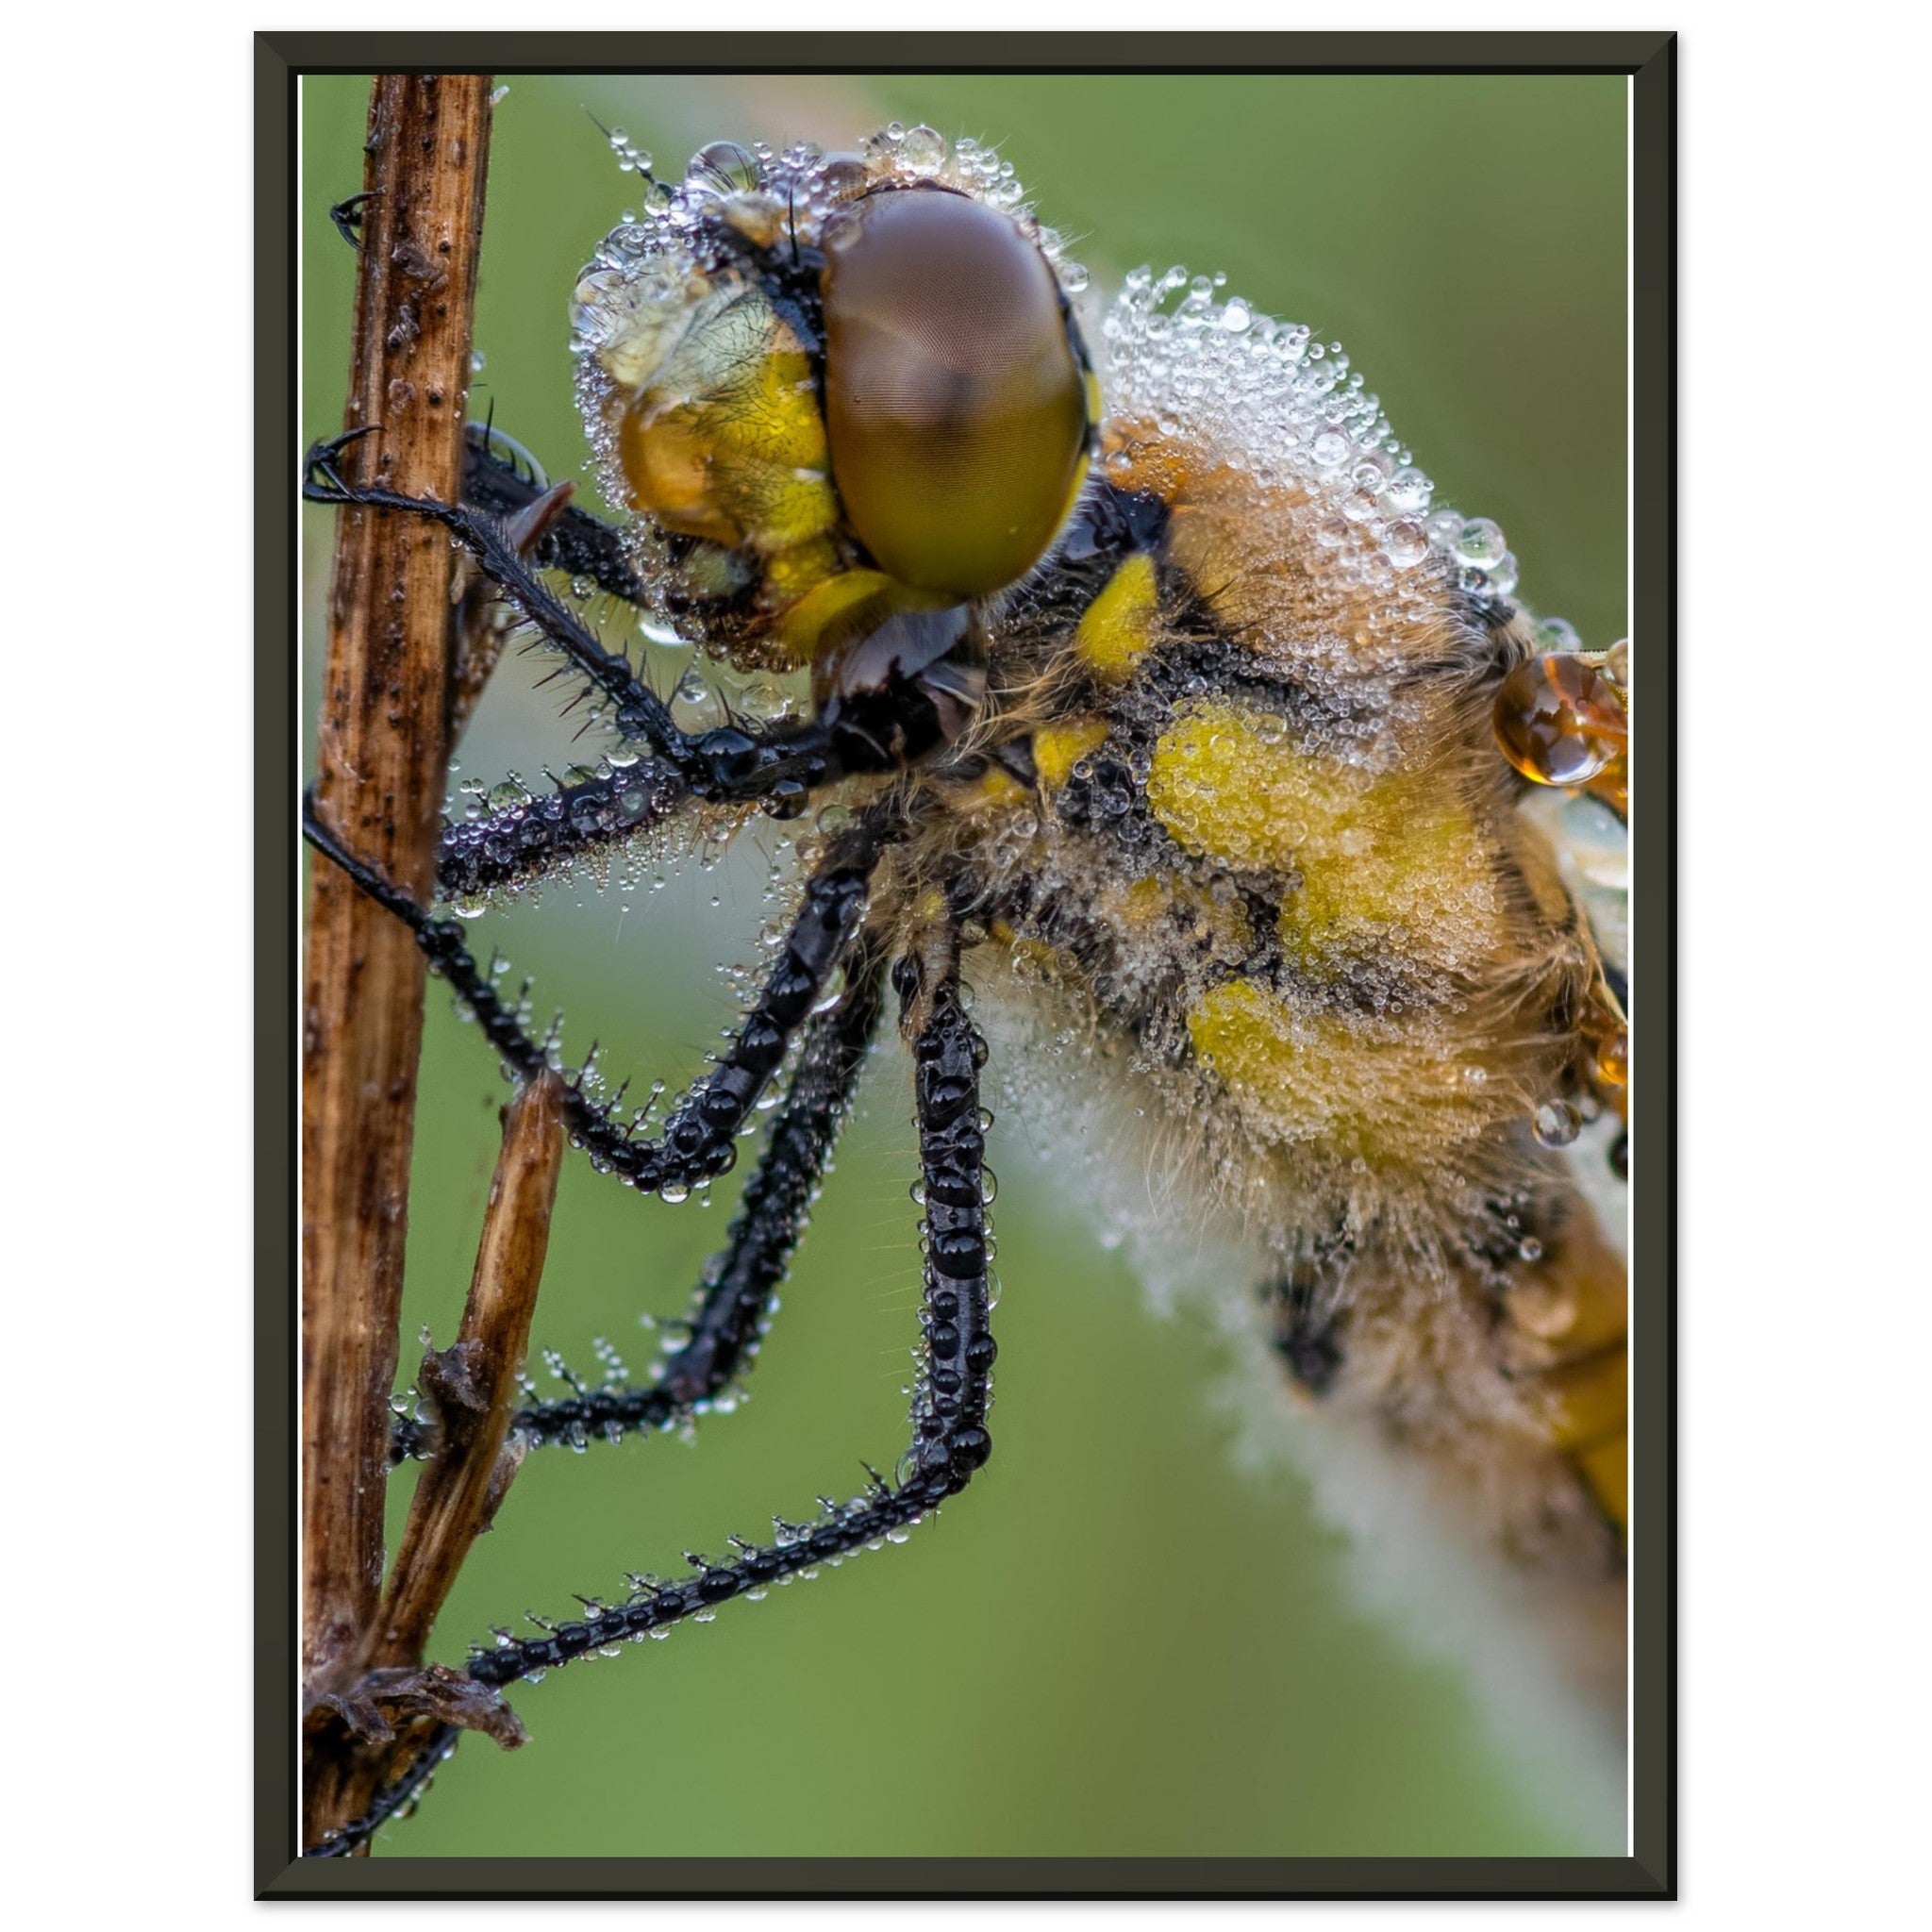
x,y
1295,416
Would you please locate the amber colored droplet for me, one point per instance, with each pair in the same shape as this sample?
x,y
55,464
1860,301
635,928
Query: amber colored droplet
x,y
1613,1058
1559,720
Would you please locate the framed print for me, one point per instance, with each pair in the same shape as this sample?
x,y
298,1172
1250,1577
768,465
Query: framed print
x,y
885,619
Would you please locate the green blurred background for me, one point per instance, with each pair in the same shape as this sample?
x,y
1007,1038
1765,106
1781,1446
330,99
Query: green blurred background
x,y
1118,1643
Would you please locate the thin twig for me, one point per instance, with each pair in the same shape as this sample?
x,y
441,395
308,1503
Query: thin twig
x,y
473,1383
382,772
387,1705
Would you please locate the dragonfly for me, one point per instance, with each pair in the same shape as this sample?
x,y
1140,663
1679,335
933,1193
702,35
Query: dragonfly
x,y
1160,760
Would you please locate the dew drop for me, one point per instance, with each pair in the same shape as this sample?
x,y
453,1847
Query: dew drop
x,y
922,150
1409,489
1404,543
724,167
1331,449
1480,544
1559,720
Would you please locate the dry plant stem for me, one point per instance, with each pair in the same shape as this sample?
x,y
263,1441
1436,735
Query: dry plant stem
x,y
473,1384
387,1702
383,760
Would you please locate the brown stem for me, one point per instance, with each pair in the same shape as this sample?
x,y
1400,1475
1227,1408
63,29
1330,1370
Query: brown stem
x,y
473,1383
383,761
373,1717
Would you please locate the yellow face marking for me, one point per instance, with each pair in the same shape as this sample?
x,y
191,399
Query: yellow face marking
x,y
1374,855
1059,747
836,604
724,438
793,572
827,608
1118,626
641,331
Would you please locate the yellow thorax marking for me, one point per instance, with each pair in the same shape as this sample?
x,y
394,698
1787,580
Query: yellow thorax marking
x,y
1058,748
1371,852
1118,626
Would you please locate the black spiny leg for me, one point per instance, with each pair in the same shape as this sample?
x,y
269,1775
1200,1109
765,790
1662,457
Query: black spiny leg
x,y
572,538
778,770
724,765
700,1136
517,844
395,1797
347,215
735,1297
641,712
949,1405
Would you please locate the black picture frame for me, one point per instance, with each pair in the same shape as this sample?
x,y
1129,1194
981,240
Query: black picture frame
x,y
281,58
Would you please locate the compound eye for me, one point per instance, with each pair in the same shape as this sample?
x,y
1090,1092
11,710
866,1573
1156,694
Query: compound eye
x,y
955,405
